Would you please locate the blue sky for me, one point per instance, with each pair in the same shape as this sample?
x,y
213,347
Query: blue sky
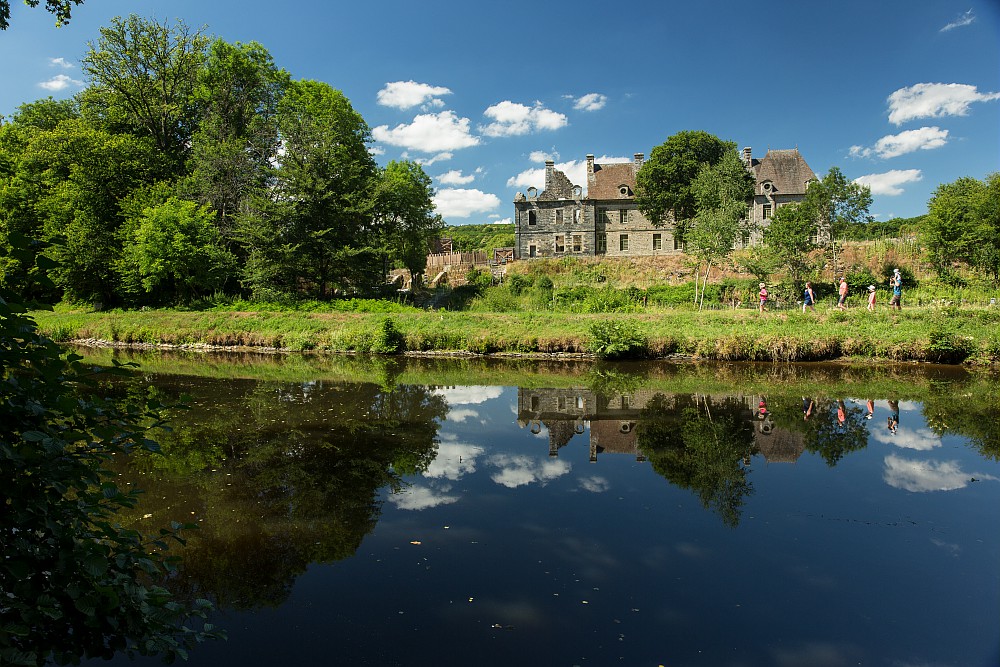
x,y
903,95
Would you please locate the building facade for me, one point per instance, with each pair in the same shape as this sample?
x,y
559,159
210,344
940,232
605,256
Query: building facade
x,y
560,220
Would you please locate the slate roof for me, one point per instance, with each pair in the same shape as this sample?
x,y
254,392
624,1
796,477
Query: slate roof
x,y
608,178
786,170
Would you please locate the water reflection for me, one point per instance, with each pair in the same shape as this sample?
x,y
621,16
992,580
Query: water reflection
x,y
635,515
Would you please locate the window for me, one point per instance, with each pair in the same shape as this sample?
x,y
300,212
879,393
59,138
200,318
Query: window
x,y
623,242
626,402
532,251
561,403
677,244
580,403
657,242
767,211
534,404
576,215
602,243
746,237
532,217
560,243
559,216
577,243
623,216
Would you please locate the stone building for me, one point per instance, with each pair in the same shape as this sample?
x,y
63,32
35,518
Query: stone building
x,y
560,220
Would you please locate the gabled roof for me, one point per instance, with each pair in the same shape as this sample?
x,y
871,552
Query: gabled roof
x,y
608,178
785,170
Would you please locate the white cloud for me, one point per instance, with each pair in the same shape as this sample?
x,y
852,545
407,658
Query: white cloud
x,y
518,471
408,94
428,161
454,460
934,100
455,177
461,203
429,133
541,156
512,119
894,145
889,183
461,414
590,102
471,395
575,170
920,439
595,484
60,82
376,150
964,19
420,498
504,221
922,476
61,62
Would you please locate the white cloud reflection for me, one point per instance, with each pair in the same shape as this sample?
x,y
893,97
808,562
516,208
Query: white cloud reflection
x,y
421,498
922,476
920,439
454,460
594,484
473,395
518,471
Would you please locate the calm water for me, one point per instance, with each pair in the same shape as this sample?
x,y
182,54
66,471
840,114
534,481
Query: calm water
x,y
606,521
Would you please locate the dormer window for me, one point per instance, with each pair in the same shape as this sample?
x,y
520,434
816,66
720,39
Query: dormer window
x,y
767,186
624,191
532,192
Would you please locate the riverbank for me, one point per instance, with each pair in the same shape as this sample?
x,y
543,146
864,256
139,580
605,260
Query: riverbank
x,y
940,335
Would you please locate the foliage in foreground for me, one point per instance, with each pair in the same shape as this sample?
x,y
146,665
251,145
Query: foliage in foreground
x,y
76,584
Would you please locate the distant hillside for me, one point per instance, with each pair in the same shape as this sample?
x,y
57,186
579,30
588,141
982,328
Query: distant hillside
x,y
467,238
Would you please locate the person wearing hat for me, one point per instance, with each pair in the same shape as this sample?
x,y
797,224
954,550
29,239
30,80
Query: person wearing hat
x,y
871,298
896,283
763,297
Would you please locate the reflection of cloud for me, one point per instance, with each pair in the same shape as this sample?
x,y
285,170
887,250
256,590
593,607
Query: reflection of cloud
x,y
518,471
420,498
453,461
468,395
954,549
461,415
690,550
920,476
922,439
595,484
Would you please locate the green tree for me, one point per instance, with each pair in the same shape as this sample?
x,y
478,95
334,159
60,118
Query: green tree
x,y
61,9
836,204
143,77
174,251
963,225
663,184
236,142
75,583
314,229
788,239
722,193
405,210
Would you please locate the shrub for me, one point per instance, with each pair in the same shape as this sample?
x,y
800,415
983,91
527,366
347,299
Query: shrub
x,y
617,339
386,339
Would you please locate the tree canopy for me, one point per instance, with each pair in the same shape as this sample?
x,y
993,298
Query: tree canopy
x,y
963,226
61,9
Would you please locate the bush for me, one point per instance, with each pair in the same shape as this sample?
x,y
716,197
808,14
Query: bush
x,y
387,339
617,339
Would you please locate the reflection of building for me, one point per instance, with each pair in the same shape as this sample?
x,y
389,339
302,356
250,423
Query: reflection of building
x,y
568,412
612,420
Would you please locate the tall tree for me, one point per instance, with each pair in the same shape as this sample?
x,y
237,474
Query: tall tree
x,y
836,204
236,142
143,76
406,212
963,225
722,193
789,238
663,184
314,229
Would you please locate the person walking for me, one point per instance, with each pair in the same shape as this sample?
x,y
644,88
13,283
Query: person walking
x,y
896,283
808,298
842,294
763,298
871,298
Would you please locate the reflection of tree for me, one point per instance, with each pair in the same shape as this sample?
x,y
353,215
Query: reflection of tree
x,y
973,415
282,475
700,447
832,438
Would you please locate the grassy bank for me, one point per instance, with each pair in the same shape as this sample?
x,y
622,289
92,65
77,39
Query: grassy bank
x,y
947,335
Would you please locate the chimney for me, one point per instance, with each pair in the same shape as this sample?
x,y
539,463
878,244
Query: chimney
x,y
746,157
638,157
550,167
590,171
